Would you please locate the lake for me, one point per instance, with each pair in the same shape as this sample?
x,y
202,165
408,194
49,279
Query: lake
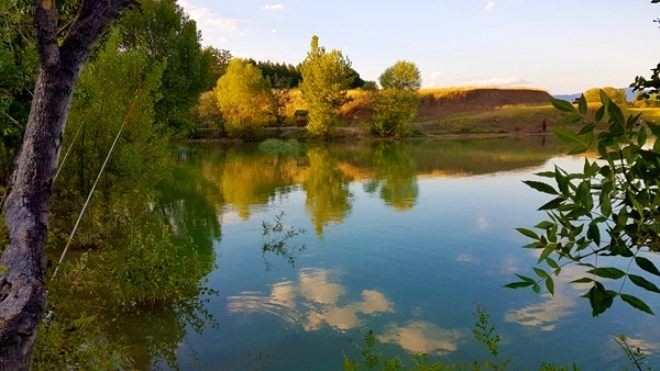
x,y
404,239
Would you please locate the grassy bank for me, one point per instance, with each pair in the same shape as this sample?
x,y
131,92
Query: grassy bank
x,y
450,112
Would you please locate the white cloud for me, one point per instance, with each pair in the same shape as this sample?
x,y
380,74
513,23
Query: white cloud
x,y
273,30
494,81
490,5
434,79
272,7
215,29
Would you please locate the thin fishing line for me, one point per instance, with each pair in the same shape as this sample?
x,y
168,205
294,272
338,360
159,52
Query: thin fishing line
x,y
96,182
68,150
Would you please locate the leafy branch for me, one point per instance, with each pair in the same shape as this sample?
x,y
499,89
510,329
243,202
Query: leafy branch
x,y
616,196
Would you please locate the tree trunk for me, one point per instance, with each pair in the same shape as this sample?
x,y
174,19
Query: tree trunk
x,y
22,294
23,262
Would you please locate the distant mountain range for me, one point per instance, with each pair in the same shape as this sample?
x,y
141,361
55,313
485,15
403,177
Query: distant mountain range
x,y
630,95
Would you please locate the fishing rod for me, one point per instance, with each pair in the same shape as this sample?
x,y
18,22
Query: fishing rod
x,y
96,182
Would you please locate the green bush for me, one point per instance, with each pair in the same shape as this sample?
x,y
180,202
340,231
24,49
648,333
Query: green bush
x,y
394,111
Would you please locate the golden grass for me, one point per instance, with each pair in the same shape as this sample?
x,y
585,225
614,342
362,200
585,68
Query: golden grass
x,y
461,91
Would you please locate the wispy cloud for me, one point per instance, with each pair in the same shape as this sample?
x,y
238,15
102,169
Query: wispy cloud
x,y
215,29
273,7
489,5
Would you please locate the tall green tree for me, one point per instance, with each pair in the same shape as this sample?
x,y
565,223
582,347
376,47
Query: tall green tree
x,y
395,107
245,99
326,76
170,36
215,61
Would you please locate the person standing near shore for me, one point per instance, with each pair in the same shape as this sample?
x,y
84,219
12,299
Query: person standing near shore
x,y
544,126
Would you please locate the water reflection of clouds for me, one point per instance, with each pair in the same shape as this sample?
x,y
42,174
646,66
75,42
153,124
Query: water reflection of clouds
x,y
422,337
313,301
546,314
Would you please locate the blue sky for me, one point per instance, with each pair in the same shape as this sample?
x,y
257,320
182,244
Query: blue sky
x,y
561,46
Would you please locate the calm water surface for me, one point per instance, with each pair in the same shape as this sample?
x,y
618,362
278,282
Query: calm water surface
x,y
404,239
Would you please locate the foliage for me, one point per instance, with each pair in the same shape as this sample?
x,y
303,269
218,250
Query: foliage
x,y
618,96
105,91
402,75
396,105
394,111
164,29
370,85
276,239
207,113
325,77
245,99
135,262
18,69
280,104
634,354
609,210
279,75
216,61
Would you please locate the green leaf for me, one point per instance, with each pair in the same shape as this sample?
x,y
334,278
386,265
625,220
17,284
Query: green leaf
x,y
517,285
546,252
643,283
541,273
646,265
550,285
541,187
546,174
536,288
562,105
606,206
583,280
642,136
599,298
582,104
552,204
562,181
525,278
636,303
616,114
610,272
544,225
593,233
527,233
566,135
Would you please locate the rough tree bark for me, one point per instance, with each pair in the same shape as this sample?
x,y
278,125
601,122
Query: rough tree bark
x,y
23,262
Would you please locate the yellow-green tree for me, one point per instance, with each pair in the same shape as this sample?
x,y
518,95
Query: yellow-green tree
x,y
326,76
616,95
245,99
395,106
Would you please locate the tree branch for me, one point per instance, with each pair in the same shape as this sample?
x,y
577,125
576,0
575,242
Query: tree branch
x,y
93,20
15,122
45,23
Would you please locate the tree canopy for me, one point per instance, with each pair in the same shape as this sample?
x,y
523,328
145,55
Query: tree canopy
x,y
325,77
402,75
245,98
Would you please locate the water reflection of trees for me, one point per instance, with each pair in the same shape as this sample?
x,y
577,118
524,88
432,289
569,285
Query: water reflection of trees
x,y
328,198
395,174
130,298
243,178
